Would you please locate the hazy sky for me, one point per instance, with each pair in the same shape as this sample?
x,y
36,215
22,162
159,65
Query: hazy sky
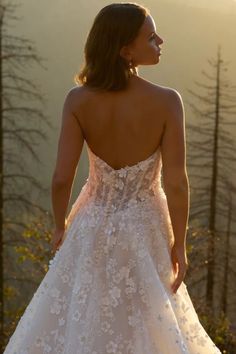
x,y
191,29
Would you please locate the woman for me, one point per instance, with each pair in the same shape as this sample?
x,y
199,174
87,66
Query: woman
x,y
116,284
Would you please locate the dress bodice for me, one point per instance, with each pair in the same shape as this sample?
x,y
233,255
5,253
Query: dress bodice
x,y
118,189
127,185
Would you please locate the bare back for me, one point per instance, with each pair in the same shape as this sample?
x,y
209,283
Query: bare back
x,y
123,127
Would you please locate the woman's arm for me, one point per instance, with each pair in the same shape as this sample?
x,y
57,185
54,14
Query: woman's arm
x,y
175,181
69,150
175,178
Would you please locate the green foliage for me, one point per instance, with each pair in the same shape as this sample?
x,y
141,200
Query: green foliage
x,y
36,248
29,263
9,292
13,316
219,329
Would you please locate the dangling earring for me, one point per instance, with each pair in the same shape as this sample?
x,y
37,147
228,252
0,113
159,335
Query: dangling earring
x,y
131,68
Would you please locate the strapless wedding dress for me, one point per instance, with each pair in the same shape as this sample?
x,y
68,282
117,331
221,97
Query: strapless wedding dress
x,y
108,287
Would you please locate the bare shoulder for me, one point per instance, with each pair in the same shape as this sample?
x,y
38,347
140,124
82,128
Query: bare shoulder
x,y
169,94
174,107
76,96
171,102
173,98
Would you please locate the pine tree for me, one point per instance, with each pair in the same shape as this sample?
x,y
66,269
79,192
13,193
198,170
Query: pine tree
x,y
22,127
211,159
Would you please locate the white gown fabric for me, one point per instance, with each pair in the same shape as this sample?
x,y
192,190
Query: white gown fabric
x,y
107,290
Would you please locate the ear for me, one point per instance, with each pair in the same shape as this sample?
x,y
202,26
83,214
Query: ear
x,y
125,53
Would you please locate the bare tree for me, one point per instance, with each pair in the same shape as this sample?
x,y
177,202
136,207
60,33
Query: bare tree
x,y
212,160
23,126
227,255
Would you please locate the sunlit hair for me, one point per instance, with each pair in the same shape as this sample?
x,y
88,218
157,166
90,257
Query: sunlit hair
x,y
115,26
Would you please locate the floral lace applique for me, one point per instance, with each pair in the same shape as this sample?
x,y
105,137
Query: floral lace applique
x,y
108,287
